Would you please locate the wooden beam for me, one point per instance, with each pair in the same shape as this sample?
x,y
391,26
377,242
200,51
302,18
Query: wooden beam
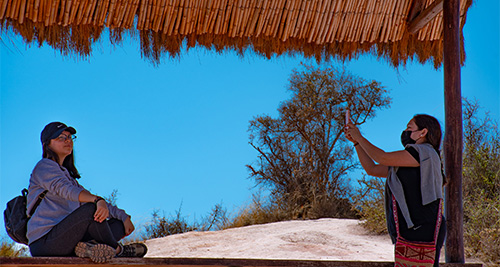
x,y
196,262
416,8
419,20
453,142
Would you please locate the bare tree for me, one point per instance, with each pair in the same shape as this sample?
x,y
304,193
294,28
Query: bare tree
x,y
303,156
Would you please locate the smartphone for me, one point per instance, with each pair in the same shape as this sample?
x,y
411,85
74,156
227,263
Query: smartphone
x,y
347,116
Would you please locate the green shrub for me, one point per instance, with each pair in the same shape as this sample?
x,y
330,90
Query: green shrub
x,y
274,209
370,204
165,226
482,228
481,185
9,248
217,219
260,211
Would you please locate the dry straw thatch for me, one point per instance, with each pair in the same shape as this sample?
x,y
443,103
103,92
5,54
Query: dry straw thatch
x,y
324,29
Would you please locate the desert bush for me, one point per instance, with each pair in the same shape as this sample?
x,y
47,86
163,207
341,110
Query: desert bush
x,y
217,219
370,203
303,156
481,185
482,229
261,210
9,248
161,226
112,198
332,207
489,245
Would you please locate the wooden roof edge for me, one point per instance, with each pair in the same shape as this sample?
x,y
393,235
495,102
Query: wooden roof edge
x,y
156,46
78,40
74,261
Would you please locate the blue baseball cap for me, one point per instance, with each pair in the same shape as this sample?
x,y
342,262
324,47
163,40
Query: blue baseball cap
x,y
53,130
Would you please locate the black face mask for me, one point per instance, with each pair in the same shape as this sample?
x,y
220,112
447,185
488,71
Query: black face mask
x,y
406,138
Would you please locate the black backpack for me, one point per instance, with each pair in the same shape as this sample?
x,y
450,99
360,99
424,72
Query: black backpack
x,y
15,217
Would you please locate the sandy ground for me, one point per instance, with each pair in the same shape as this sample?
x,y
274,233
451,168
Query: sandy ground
x,y
323,239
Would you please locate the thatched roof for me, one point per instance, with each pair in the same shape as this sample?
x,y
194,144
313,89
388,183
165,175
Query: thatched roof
x,y
342,29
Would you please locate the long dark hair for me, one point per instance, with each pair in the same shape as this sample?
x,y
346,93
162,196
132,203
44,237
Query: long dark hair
x,y
434,134
68,163
433,127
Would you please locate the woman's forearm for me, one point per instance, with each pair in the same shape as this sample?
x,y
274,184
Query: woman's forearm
x,y
373,152
368,154
365,160
369,165
375,160
85,196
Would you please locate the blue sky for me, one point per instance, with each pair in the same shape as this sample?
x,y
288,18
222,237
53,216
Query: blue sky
x,y
177,133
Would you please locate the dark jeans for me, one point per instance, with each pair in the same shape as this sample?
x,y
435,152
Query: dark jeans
x,y
440,241
76,227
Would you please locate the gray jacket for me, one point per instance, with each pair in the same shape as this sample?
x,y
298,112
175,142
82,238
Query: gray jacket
x,y
431,181
60,201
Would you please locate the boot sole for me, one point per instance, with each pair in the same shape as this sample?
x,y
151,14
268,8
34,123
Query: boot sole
x,y
98,253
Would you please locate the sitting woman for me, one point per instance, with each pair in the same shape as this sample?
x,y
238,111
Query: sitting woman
x,y
70,220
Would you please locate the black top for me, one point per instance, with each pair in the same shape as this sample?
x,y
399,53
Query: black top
x,y
423,216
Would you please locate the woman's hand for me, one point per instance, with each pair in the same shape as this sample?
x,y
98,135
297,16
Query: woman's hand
x,y
129,226
348,136
352,133
102,212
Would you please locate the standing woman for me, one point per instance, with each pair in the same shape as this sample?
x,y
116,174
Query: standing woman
x,y
414,178
70,220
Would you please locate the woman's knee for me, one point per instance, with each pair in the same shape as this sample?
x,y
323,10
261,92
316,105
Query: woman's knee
x,y
87,210
117,228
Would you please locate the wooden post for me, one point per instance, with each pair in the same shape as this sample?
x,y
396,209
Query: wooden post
x,y
453,141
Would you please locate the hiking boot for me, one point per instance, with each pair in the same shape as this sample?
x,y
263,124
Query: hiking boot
x,y
98,253
134,250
